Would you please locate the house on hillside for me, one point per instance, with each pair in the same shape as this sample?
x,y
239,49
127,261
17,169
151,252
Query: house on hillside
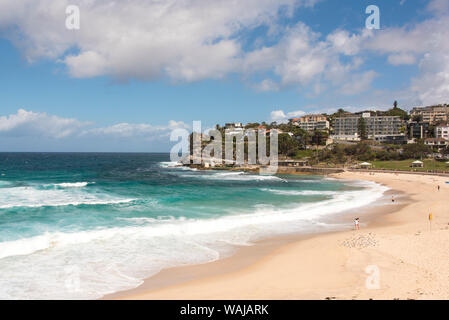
x,y
442,131
311,122
234,125
431,114
436,143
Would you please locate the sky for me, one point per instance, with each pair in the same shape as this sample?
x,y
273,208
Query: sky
x,y
137,69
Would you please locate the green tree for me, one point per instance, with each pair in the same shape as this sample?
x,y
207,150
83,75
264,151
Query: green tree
x,y
361,128
431,131
395,111
287,145
445,151
417,118
415,151
252,125
339,154
319,137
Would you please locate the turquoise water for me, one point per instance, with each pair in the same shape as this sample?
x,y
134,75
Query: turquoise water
x,y
84,225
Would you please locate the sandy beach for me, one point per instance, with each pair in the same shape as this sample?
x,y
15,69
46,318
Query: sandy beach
x,y
396,255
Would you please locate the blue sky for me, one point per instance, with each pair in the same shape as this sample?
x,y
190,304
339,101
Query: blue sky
x,y
131,74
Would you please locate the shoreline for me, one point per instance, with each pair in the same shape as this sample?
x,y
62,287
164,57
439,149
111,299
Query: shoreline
x,y
242,257
206,280
412,261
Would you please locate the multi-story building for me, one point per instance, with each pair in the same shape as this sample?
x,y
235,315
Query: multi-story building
x,y
432,114
346,128
384,125
442,131
233,125
233,128
418,130
436,143
393,139
270,131
311,122
380,128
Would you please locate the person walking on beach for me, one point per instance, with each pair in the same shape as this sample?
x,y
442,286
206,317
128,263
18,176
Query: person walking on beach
x,y
356,224
438,187
392,199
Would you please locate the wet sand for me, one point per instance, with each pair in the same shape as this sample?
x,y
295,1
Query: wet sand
x,y
394,255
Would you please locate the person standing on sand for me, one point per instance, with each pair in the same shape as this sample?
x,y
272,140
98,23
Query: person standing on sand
x,y
438,187
356,224
392,199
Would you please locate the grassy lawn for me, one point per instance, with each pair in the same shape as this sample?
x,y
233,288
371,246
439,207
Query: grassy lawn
x,y
328,165
429,165
301,154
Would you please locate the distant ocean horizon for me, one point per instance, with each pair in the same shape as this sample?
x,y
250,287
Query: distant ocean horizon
x,y
82,225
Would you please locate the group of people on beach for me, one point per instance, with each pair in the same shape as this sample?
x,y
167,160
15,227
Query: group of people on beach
x,y
357,220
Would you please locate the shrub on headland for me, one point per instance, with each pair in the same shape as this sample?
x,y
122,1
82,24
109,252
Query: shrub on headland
x,y
341,154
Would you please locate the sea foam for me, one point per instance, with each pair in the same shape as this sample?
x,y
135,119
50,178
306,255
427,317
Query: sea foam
x,y
300,192
34,196
233,176
111,259
73,184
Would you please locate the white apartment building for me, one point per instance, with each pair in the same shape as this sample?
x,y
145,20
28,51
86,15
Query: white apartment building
x,y
442,131
311,122
432,114
377,127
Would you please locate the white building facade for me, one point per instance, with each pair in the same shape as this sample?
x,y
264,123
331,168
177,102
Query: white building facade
x,y
442,132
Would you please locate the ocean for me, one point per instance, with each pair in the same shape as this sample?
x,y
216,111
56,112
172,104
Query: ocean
x,y
79,226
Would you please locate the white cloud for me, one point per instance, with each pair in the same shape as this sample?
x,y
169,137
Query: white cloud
x,y
184,40
261,60
432,85
192,40
280,116
86,64
358,83
401,59
346,43
136,130
438,6
425,45
36,124
267,85
301,59
29,123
